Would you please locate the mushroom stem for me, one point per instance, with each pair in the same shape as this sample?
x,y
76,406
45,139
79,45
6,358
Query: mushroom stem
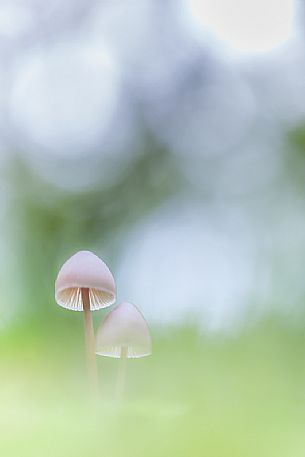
x,y
120,386
90,344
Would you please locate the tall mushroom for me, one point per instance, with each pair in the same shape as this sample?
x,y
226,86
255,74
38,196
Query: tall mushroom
x,y
85,283
123,334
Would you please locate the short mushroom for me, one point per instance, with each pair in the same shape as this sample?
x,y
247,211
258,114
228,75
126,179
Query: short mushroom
x,y
85,283
123,334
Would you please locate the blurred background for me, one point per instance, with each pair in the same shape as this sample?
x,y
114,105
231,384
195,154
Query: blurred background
x,y
167,136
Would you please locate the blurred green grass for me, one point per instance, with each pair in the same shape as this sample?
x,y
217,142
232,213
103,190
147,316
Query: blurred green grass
x,y
239,395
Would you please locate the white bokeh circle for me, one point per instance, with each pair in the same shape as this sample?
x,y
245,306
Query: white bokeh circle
x,y
63,99
246,26
177,267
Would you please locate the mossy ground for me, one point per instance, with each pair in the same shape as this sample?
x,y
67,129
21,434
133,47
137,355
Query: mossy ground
x,y
233,396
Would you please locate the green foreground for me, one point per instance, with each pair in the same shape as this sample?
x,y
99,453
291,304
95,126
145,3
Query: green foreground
x,y
241,396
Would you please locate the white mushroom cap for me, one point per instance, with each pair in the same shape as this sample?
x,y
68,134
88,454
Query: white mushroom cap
x,y
84,270
124,327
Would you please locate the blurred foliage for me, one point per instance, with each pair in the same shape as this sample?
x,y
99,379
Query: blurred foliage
x,y
295,162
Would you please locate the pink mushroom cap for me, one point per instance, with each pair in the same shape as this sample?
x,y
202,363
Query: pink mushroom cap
x,y
124,327
84,270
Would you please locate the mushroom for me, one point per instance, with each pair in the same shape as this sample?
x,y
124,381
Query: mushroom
x,y
85,283
123,334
